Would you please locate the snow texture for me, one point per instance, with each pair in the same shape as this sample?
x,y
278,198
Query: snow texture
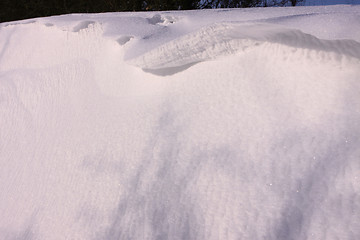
x,y
213,124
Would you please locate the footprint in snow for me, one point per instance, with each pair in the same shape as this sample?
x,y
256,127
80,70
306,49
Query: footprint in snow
x,y
82,25
162,20
124,39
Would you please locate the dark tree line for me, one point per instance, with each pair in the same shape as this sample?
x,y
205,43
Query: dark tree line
x,y
11,10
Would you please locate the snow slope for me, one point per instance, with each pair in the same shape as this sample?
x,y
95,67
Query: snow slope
x,y
214,124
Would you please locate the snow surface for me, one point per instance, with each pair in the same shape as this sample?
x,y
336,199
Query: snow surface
x,y
213,124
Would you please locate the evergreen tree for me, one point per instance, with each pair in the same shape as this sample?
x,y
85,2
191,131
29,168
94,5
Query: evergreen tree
x,y
11,10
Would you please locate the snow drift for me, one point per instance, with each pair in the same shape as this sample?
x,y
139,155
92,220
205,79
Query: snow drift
x,y
219,124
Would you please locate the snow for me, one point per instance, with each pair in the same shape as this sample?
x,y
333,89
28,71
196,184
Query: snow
x,y
212,124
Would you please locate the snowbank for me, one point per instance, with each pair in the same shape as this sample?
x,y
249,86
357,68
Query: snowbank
x,y
214,124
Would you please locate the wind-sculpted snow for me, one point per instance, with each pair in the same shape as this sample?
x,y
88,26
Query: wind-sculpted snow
x,y
229,38
221,124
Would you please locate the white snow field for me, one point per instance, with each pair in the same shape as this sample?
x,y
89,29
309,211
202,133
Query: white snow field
x,y
213,124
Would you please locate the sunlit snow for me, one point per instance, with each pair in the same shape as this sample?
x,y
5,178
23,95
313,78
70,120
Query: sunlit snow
x,y
212,124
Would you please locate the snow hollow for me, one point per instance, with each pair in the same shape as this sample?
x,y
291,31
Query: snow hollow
x,y
213,124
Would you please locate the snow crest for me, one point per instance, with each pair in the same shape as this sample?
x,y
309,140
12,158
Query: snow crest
x,y
229,38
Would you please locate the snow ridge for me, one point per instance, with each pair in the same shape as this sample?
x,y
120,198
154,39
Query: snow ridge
x,y
228,38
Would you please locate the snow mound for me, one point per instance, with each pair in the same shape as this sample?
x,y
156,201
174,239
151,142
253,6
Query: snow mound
x,y
216,124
